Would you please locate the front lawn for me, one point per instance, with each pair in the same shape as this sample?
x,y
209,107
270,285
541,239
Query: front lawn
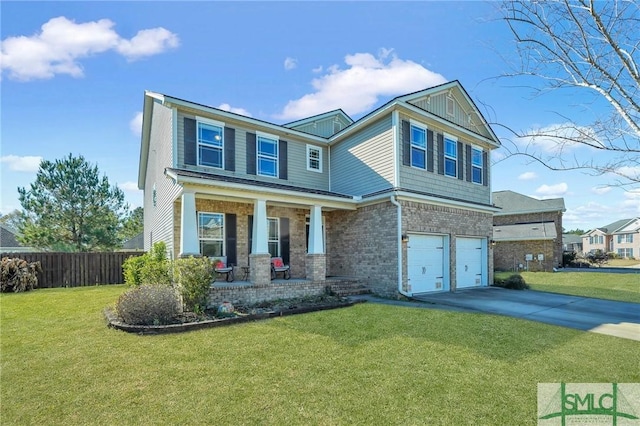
x,y
624,287
368,364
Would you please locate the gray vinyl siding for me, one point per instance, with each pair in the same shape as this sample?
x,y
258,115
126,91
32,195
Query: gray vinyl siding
x,y
437,104
363,163
298,175
158,219
325,127
412,178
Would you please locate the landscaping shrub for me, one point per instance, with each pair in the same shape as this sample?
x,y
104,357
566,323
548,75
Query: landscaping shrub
x,y
18,275
568,257
514,282
151,268
193,276
148,305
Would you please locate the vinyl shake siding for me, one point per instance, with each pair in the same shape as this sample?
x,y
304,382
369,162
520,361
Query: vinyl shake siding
x,y
158,216
297,173
363,164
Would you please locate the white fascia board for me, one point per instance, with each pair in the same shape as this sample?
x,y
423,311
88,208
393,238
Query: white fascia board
x,y
446,123
147,111
504,240
511,213
255,123
408,196
231,189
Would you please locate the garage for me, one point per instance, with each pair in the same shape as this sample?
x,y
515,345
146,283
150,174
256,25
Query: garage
x,y
426,260
471,262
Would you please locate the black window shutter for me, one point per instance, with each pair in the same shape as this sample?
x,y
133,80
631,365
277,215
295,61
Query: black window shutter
x,y
190,144
440,138
250,232
430,150
230,149
460,160
251,153
230,229
468,161
283,166
406,143
485,168
284,240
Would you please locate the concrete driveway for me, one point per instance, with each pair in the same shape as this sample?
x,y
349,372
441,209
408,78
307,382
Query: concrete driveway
x,y
621,319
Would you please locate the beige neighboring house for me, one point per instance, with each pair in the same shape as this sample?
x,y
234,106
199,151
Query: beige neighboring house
x,y
603,239
527,232
399,199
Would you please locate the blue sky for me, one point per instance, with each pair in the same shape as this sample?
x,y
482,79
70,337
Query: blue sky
x,y
74,74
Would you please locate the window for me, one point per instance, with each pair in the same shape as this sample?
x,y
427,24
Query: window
x,y
450,105
273,242
597,239
450,157
267,155
211,234
476,165
418,147
210,143
625,252
625,238
314,158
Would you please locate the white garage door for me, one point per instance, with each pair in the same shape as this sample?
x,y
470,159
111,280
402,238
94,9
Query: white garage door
x,y
425,263
469,262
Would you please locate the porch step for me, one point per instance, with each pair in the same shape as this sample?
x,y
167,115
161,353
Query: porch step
x,y
348,287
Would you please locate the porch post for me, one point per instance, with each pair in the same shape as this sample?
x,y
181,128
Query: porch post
x,y
260,259
189,245
316,264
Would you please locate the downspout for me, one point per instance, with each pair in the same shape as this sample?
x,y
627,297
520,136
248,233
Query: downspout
x,y
399,240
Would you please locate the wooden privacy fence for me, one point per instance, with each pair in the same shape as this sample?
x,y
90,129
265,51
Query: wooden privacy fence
x,y
77,269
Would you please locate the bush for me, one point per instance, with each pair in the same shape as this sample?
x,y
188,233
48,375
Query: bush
x,y
148,305
568,257
193,276
151,268
18,275
513,282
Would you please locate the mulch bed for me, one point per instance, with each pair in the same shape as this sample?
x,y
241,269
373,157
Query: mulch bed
x,y
190,321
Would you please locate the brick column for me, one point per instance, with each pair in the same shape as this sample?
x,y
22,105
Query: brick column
x,y
260,272
316,265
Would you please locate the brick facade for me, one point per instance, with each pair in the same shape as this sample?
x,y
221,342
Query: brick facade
x,y
508,255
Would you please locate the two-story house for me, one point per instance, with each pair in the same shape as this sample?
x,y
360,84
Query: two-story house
x,y
400,198
602,238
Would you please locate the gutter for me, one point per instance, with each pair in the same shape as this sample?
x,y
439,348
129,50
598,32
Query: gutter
x,y
399,240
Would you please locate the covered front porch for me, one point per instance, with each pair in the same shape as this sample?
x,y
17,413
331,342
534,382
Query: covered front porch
x,y
250,224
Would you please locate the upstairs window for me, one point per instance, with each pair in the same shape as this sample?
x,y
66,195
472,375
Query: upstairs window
x,y
476,165
210,143
267,147
450,157
314,158
211,234
418,147
625,238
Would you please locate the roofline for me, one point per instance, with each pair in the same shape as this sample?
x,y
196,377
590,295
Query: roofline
x,y
145,137
318,117
503,213
432,199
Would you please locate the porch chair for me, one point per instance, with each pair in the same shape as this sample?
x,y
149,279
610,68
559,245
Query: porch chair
x,y
220,267
277,265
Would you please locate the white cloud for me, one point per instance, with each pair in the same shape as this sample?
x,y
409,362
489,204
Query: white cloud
x,y
290,63
57,48
632,173
129,186
359,86
136,124
528,176
552,191
600,190
27,163
317,69
557,138
241,111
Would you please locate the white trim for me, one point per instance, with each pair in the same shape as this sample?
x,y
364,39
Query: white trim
x,y
423,127
174,135
269,240
453,139
319,149
200,120
209,121
276,141
222,238
395,119
267,135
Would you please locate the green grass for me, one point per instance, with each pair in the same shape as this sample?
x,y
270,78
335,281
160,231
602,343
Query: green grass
x,y
368,364
623,287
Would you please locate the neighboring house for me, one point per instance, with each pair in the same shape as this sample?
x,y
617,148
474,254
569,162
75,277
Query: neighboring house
x,y
626,239
602,238
9,242
572,243
527,232
399,199
135,243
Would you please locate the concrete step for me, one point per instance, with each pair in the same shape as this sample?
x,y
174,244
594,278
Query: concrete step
x,y
349,288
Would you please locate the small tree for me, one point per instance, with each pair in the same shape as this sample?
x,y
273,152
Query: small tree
x,y
193,276
70,207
